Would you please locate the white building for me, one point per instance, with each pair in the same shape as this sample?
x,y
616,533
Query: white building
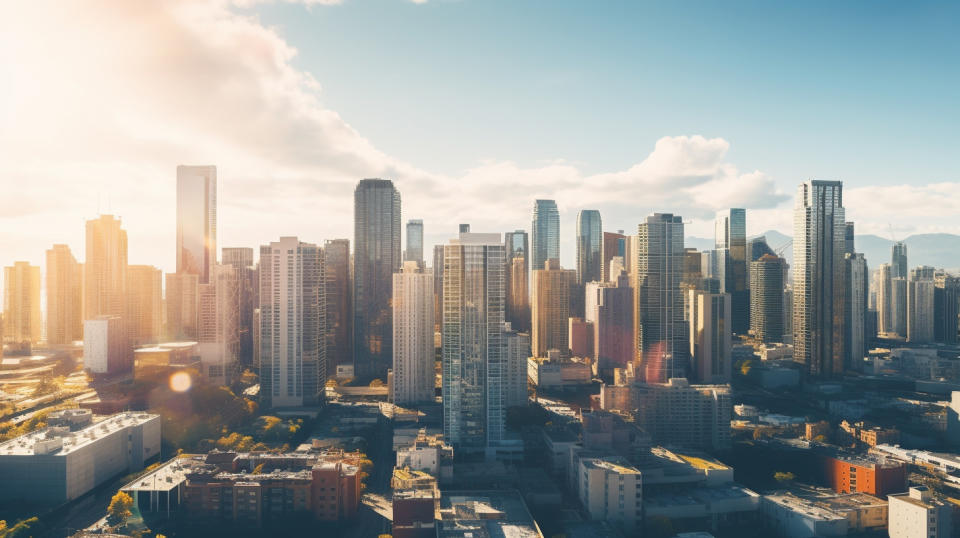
x,y
413,324
218,336
516,349
790,516
55,465
610,489
917,514
711,336
920,291
555,372
105,349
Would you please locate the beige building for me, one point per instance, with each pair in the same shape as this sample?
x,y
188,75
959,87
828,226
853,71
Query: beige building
x,y
21,303
217,334
413,323
144,304
105,268
917,514
610,489
550,304
182,305
64,296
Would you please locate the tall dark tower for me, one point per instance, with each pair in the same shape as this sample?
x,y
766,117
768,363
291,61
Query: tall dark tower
x,y
376,233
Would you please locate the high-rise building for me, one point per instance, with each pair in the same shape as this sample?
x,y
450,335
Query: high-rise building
x,y
376,240
711,343
610,308
731,236
613,245
946,302
516,351
336,266
105,269
292,324
517,274
217,334
545,229
197,220
182,306
767,276
474,410
64,296
610,490
589,247
414,250
898,306
855,308
920,305
898,263
413,351
849,238
884,290
21,303
144,304
438,285
662,345
550,308
248,286
819,289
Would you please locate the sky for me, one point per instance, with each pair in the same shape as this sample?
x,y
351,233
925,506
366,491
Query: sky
x,y
474,108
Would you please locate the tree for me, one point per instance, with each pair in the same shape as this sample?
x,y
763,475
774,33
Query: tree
x,y
19,529
784,477
745,367
119,509
376,383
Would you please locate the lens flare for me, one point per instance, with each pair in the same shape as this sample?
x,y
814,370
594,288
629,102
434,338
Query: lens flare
x,y
180,382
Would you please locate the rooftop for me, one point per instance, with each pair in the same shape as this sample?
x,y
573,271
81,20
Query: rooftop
x,y
497,514
803,506
166,477
60,441
617,465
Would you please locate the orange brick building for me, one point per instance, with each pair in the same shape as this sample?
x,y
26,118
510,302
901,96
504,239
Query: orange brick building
x,y
860,475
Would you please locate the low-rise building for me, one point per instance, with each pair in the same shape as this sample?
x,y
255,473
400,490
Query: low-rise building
x,y
917,514
430,454
556,372
790,516
871,474
471,514
611,489
58,464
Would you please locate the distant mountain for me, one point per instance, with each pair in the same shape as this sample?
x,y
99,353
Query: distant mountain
x,y
937,250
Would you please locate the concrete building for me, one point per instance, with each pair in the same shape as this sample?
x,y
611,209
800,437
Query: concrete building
x,y
376,224
864,474
711,342
545,229
550,307
474,410
197,221
248,289
794,517
182,306
819,287
660,328
428,453
144,304
414,246
217,335
614,246
920,305
898,305
946,308
556,372
105,268
413,351
767,276
56,464
589,246
292,324
64,296
517,279
21,303
106,349
611,489
612,317
855,310
154,362
516,349
336,266
917,514
883,290
580,337
465,514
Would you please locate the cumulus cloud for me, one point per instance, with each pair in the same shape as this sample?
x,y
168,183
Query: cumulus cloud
x,y
102,100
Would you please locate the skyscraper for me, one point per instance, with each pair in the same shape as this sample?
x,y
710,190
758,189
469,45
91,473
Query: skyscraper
x,y
144,304
613,245
21,303
105,269
64,296
217,336
292,324
898,261
818,285
336,266
920,305
767,277
661,330
711,345
546,233
248,286
414,250
182,305
550,307
855,308
517,274
946,302
849,238
612,318
884,284
196,220
589,247
731,235
899,311
516,350
376,236
413,352
438,285
474,396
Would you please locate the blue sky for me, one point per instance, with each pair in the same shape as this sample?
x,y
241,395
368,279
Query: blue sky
x,y
860,91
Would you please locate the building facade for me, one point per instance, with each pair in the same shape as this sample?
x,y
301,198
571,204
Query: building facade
x,y
21,303
64,296
182,306
517,275
217,336
767,277
550,308
197,220
545,229
105,268
589,247
711,342
731,236
144,304
413,350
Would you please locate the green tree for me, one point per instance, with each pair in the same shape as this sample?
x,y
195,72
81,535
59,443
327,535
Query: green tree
x,y
20,529
119,509
784,477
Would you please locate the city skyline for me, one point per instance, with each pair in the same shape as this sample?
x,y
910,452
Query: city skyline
x,y
323,144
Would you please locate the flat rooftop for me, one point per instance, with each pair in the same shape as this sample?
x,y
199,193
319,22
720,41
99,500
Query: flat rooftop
x,y
25,445
803,506
166,477
497,514
615,466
